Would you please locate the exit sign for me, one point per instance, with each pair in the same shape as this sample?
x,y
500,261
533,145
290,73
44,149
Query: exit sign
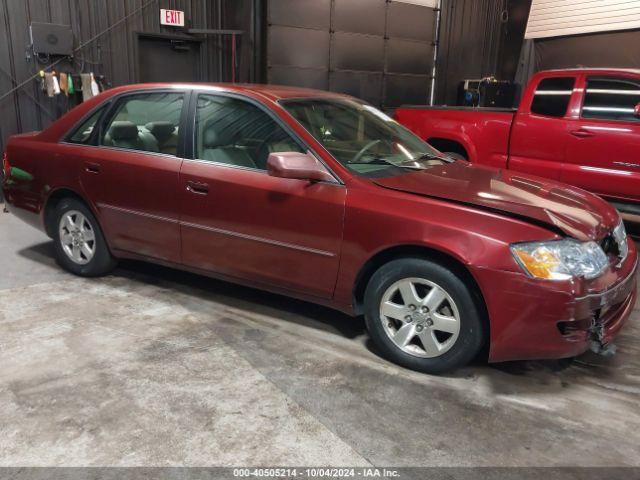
x,y
175,18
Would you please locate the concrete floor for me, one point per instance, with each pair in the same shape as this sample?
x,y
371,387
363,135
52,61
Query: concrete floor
x,y
154,367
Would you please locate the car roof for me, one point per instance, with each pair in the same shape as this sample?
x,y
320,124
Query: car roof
x,y
271,92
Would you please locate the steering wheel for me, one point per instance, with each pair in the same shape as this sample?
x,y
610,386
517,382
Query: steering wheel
x,y
364,150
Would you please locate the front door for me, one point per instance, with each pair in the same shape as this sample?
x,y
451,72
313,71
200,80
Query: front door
x,y
603,152
539,133
132,175
241,222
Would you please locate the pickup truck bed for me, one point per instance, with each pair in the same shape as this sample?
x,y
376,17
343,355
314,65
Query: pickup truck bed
x,y
480,134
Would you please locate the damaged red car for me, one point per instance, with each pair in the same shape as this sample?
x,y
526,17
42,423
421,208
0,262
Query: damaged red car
x,y
322,197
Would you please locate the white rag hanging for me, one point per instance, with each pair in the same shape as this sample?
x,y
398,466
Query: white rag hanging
x,y
95,90
56,85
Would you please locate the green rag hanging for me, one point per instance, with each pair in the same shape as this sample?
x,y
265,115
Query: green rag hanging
x,y
70,86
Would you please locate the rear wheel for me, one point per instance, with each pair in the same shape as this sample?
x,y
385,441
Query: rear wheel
x,y
422,316
80,245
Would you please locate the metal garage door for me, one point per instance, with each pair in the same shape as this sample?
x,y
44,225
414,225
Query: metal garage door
x,y
373,49
553,18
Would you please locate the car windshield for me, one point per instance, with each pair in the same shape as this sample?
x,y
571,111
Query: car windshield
x,y
361,137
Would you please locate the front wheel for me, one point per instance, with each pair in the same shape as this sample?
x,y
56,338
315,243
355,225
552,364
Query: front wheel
x,y
79,242
422,316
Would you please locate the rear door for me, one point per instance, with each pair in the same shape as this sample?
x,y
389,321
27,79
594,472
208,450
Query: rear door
x,y
539,133
132,174
239,221
603,151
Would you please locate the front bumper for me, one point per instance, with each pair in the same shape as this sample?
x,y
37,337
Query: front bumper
x,y
534,319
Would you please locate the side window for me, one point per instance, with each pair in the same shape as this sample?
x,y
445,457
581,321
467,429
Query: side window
x,y
82,134
235,132
552,96
147,122
611,99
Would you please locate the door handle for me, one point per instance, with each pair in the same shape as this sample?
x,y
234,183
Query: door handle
x,y
581,133
92,167
198,188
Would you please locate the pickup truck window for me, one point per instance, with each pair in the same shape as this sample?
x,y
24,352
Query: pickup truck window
x,y
552,96
361,137
611,99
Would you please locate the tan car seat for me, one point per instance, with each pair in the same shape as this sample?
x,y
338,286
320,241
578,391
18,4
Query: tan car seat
x,y
166,135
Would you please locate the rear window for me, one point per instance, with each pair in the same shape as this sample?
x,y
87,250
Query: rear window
x,y
611,99
552,96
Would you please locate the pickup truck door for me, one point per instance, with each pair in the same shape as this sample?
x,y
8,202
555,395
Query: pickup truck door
x,y
241,222
539,132
603,151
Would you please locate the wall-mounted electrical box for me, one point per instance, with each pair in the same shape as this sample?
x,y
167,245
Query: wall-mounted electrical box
x,y
51,38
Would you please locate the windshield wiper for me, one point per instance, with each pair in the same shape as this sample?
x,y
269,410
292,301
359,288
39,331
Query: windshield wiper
x,y
431,156
382,161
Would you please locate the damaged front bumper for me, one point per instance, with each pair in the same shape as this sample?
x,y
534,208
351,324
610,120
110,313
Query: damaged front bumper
x,y
533,319
608,311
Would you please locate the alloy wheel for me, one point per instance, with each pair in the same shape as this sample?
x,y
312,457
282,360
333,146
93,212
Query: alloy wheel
x,y
77,237
420,317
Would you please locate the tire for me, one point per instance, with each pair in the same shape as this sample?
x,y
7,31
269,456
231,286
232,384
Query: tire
x,y
446,336
456,156
94,260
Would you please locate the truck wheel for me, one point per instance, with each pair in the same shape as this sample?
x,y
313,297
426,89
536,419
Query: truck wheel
x,y
79,243
422,316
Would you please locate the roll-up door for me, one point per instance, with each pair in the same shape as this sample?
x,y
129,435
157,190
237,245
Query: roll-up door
x,y
552,18
372,49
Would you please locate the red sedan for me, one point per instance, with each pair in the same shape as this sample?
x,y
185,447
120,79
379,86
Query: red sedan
x,y
323,197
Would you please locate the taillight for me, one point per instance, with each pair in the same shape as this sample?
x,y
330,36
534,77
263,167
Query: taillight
x,y
5,165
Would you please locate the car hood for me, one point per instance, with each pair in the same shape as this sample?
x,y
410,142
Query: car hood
x,y
573,211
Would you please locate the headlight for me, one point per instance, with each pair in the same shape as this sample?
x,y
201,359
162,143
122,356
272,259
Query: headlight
x,y
560,259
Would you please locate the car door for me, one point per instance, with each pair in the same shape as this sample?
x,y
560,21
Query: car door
x,y
241,222
539,133
603,151
132,174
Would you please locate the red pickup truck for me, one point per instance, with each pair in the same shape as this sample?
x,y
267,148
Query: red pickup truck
x,y
579,126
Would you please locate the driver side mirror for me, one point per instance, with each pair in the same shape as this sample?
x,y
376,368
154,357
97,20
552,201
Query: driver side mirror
x,y
301,166
636,111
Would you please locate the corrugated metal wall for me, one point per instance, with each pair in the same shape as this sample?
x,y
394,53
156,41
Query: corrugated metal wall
x,y
113,55
512,38
551,18
379,50
470,37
